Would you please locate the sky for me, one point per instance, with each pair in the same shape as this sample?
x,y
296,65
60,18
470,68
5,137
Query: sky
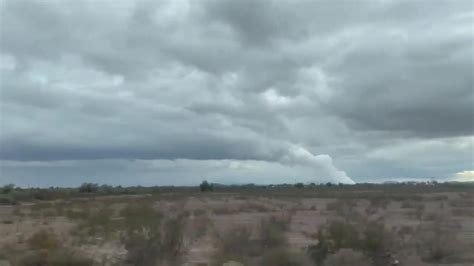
x,y
173,92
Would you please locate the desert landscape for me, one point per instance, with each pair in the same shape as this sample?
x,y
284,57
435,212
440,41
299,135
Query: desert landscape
x,y
302,224
236,133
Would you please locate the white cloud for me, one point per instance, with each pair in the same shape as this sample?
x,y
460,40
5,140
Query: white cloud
x,y
464,176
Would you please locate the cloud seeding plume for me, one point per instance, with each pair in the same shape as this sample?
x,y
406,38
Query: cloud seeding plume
x,y
300,156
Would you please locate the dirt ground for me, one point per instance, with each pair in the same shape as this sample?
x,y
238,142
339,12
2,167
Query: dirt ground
x,y
225,211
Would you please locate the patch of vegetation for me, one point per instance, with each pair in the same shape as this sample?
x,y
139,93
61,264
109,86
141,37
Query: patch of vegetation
x,y
368,237
206,186
299,185
221,210
149,238
347,257
43,240
199,226
88,188
172,242
235,245
281,257
254,207
95,222
272,232
344,208
60,257
463,212
436,242
407,204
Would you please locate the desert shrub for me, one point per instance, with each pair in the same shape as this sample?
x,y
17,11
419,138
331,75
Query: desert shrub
x,y
60,257
75,214
272,232
94,222
466,202
38,207
7,220
141,215
88,188
172,242
149,238
439,198
199,226
320,250
435,247
200,212
256,207
220,210
369,237
379,201
7,200
347,257
405,230
344,208
143,248
68,258
206,186
59,209
46,240
142,236
436,242
342,234
299,185
463,212
406,204
377,242
335,205
430,216
281,257
235,244
7,188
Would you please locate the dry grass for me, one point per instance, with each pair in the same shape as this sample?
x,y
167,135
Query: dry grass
x,y
253,225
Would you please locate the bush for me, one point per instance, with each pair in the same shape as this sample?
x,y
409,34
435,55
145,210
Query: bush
x,y
142,248
411,204
141,215
272,232
299,185
43,240
205,186
88,188
172,243
377,242
344,208
343,234
60,257
6,189
370,238
142,237
320,250
235,245
149,240
436,243
94,222
347,257
280,257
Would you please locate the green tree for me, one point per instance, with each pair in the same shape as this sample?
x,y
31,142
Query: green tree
x,y
206,186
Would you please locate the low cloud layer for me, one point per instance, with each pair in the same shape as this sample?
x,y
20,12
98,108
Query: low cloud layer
x,y
318,91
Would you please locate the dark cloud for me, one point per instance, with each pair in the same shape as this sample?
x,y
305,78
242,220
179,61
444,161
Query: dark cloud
x,y
288,83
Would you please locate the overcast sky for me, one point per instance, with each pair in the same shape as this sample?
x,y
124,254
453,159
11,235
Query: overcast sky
x,y
177,91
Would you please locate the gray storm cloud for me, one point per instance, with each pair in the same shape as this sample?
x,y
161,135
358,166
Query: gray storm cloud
x,y
378,90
